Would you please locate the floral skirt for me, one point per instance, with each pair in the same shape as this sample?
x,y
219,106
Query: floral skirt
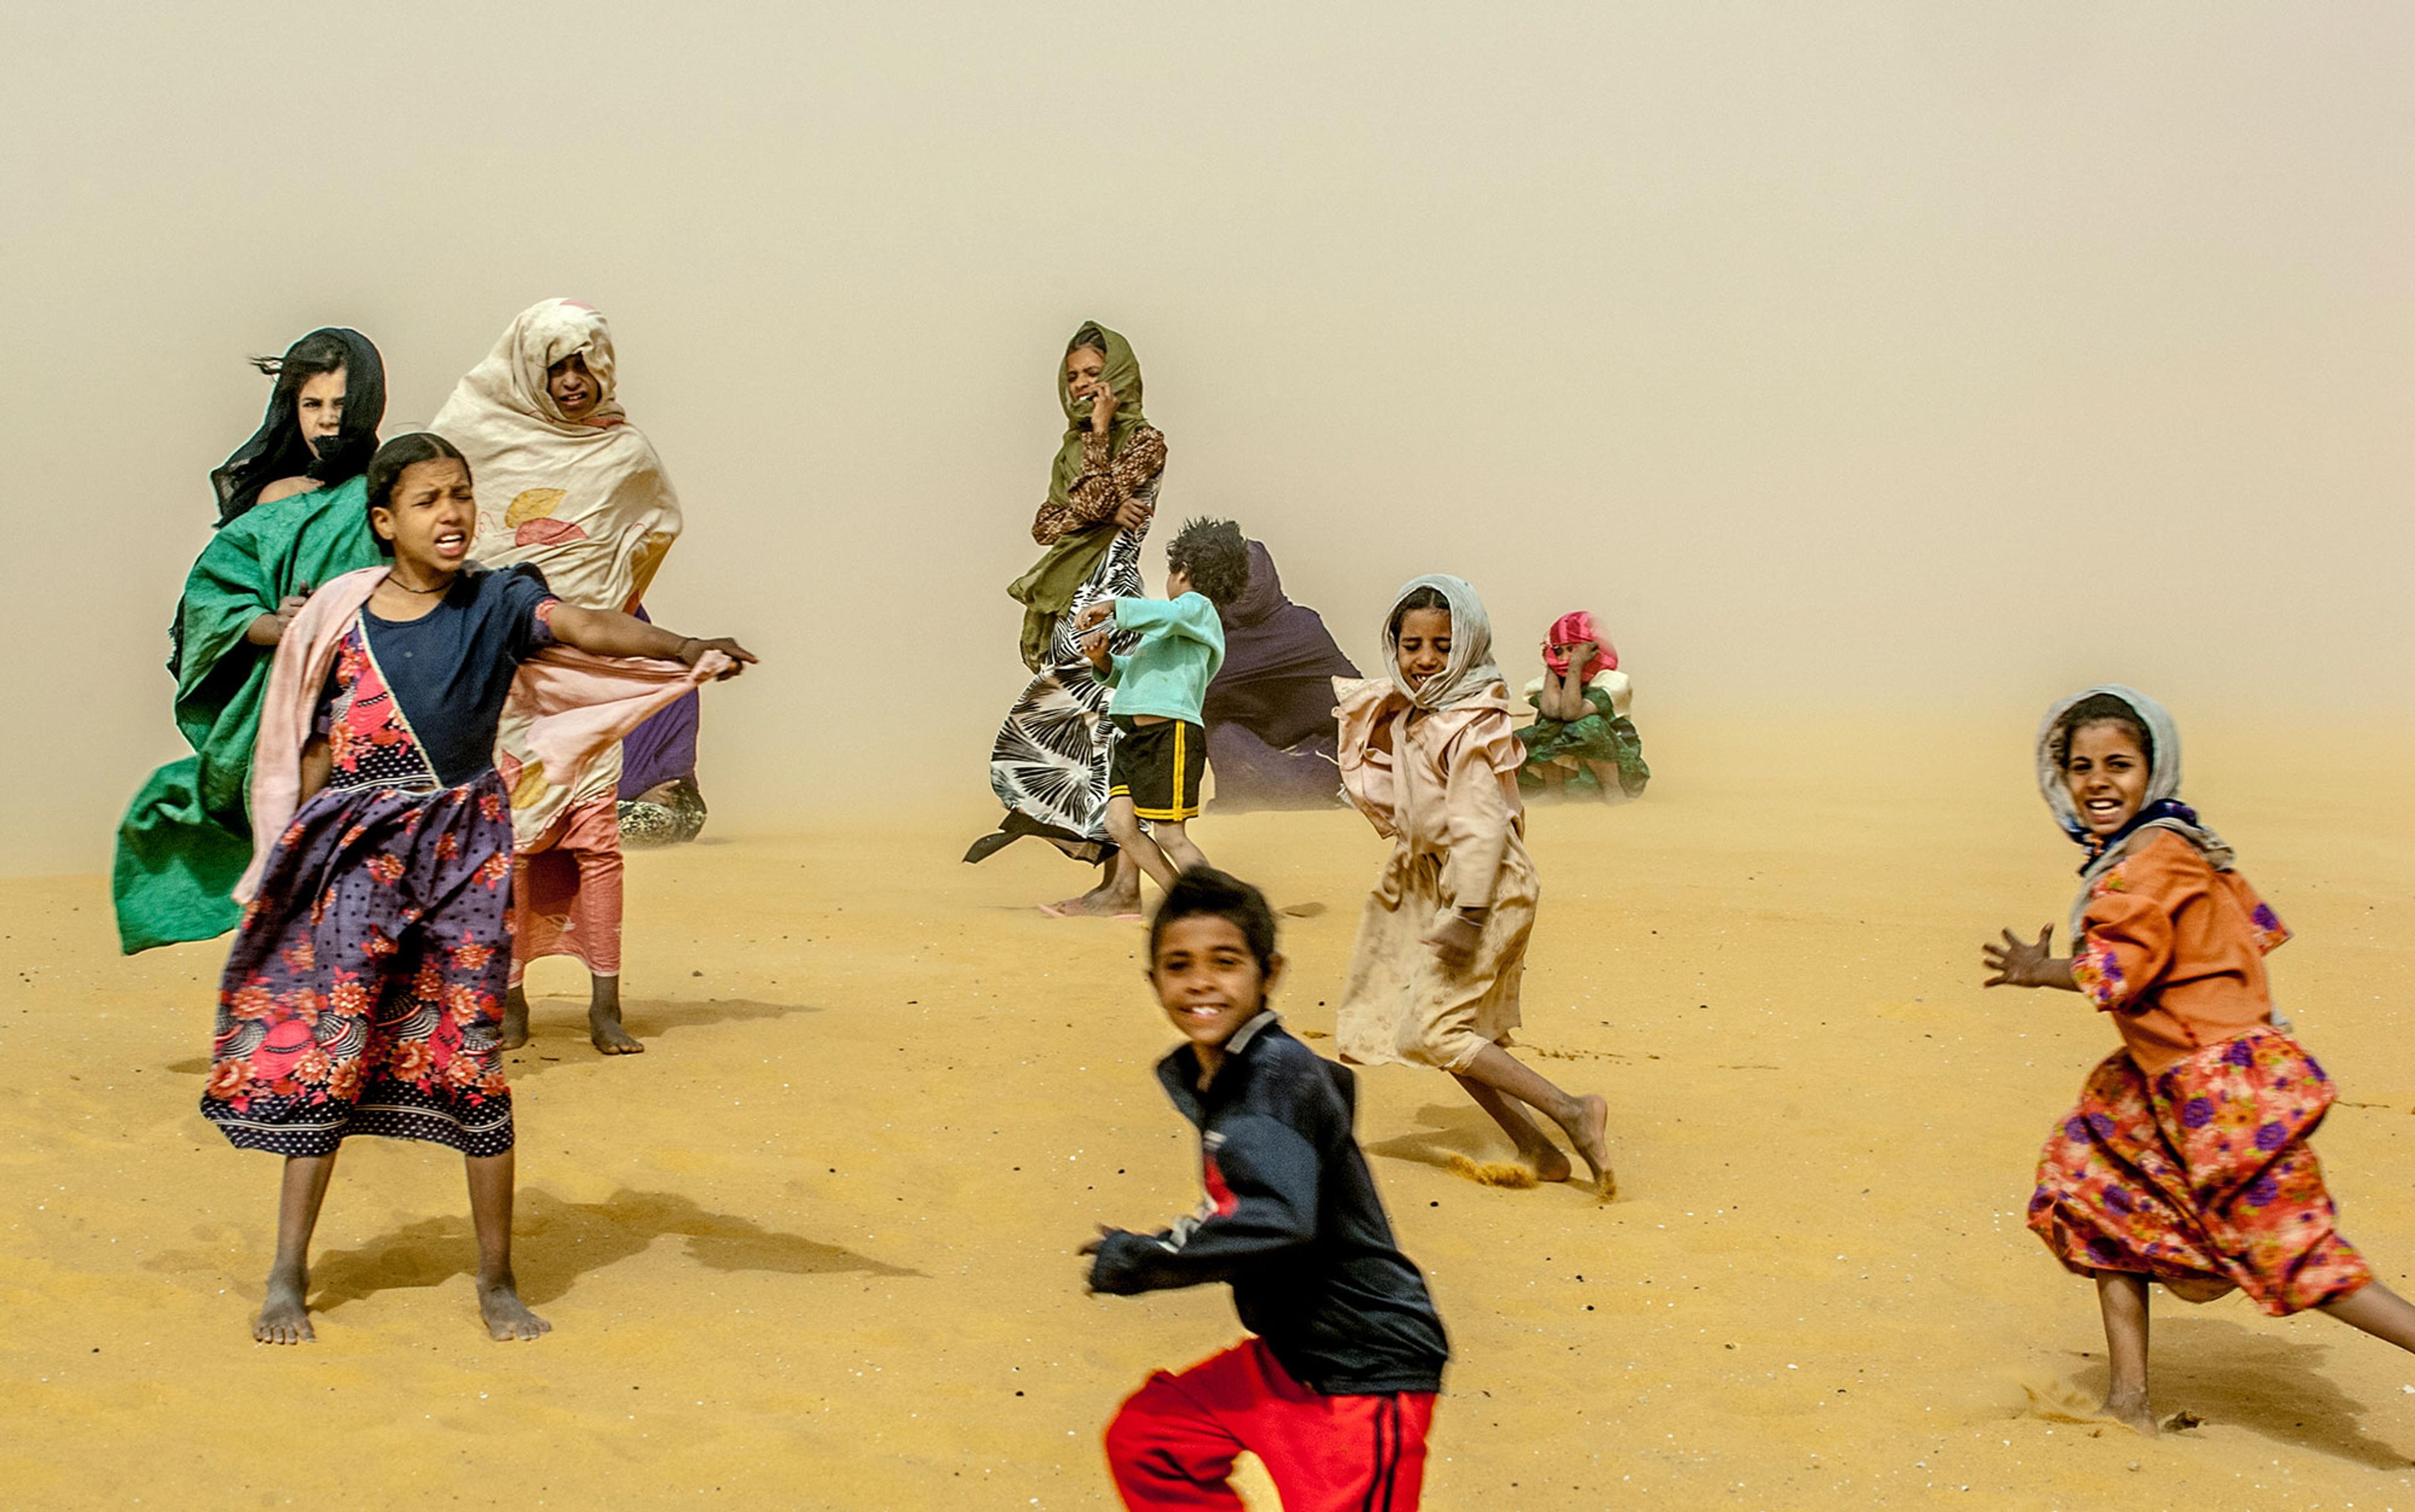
x,y
364,991
2201,1172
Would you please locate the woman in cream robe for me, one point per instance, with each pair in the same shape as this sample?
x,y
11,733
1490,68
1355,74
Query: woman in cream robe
x,y
566,485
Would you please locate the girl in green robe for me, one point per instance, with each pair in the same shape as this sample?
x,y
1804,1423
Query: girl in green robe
x,y
292,514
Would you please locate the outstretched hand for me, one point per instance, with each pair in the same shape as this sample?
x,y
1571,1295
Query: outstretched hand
x,y
692,652
2017,963
1095,615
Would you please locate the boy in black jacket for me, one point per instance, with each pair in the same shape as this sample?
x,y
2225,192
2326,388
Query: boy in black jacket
x,y
1336,1391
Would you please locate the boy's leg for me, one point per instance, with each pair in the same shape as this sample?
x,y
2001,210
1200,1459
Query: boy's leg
x,y
1166,1446
1123,826
1175,842
2121,1296
1325,1454
1540,1153
285,1311
491,1213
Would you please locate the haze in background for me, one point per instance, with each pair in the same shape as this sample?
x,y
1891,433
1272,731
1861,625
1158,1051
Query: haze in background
x,y
1858,357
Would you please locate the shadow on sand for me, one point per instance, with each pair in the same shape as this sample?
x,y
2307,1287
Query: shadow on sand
x,y
1446,1132
555,1242
557,1029
2267,1383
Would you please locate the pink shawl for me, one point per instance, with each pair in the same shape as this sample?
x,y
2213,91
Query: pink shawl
x,y
583,702
1568,630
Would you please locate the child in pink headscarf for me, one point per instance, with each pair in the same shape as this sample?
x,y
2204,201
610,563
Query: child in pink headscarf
x,y
1582,740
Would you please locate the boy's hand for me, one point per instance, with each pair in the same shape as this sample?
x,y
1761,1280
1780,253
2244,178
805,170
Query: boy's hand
x,y
2017,962
1455,937
1094,646
1096,614
692,652
1090,1246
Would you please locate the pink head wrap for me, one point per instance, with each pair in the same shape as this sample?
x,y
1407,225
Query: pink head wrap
x,y
1569,629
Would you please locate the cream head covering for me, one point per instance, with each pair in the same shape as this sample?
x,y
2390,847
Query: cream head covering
x,y
1469,673
584,502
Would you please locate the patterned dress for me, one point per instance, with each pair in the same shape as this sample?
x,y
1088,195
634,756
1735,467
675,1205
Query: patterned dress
x,y
1049,763
2187,1157
364,994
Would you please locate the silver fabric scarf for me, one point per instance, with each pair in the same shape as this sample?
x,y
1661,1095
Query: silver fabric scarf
x,y
2163,785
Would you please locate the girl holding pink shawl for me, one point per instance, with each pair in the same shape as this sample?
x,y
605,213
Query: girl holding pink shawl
x,y
364,994
1582,740
568,487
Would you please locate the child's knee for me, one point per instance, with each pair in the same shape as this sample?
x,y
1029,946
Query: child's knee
x,y
1123,825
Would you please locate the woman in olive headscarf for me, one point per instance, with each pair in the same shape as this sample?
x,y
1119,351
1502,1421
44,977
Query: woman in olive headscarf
x,y
291,515
1049,765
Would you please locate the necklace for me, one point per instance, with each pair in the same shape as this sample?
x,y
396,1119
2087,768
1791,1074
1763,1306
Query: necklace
x,y
408,588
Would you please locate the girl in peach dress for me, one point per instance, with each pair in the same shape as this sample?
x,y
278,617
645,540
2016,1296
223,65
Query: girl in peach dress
x,y
1429,755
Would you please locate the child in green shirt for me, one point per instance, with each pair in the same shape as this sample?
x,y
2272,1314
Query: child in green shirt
x,y
1161,751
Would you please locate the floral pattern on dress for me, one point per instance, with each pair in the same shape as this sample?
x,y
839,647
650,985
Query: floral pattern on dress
x,y
2202,1173
365,992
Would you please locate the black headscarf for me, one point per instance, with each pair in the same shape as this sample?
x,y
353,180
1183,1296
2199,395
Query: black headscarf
x,y
276,449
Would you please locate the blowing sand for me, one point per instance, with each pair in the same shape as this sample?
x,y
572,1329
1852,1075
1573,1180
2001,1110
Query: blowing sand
x,y
814,1249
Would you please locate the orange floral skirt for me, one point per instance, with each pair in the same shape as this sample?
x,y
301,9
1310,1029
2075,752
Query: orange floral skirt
x,y
2201,1172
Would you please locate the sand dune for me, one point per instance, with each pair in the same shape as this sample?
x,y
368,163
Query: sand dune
x,y
814,1249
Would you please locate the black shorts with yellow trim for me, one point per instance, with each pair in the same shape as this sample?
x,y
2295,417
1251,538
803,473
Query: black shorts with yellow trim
x,y
1159,767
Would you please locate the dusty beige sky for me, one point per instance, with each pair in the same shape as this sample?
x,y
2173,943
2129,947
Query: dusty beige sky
x,y
1894,354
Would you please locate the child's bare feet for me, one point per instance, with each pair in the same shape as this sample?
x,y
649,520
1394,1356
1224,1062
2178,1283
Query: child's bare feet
x,y
1106,902
507,1316
604,1030
284,1315
1590,1133
2130,1409
515,1012
1550,1166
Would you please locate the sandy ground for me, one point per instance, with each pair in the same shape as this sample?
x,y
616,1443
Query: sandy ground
x,y
813,1249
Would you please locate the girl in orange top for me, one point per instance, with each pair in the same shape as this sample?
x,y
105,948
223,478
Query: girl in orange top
x,y
2187,1161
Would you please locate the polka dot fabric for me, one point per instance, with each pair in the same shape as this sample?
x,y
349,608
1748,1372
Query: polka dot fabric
x,y
2201,1171
364,995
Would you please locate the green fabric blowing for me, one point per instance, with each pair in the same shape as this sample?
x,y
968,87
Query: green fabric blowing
x,y
186,839
1047,590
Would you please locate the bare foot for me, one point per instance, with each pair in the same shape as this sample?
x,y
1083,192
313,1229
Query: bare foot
x,y
1590,1134
2130,1409
1549,1165
604,1029
507,1316
1100,904
515,1019
284,1316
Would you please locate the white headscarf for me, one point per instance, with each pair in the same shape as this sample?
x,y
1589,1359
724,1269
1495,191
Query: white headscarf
x,y
584,501
1469,672
2159,809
